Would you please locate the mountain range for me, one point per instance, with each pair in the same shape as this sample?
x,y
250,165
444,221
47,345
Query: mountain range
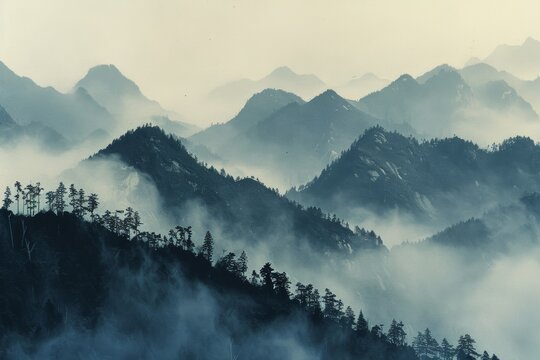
x,y
237,207
521,60
435,103
441,180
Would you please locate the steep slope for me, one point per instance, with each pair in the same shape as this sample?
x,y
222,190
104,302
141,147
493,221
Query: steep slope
x,y
123,98
522,60
86,290
443,180
256,109
235,206
72,115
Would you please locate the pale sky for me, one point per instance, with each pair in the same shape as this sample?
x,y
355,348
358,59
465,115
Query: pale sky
x,y
177,49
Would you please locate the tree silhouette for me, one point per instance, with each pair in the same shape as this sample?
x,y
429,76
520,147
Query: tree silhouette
x,y
60,198
207,248
266,275
362,326
6,203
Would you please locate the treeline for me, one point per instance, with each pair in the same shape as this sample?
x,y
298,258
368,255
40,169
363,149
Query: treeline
x,y
274,283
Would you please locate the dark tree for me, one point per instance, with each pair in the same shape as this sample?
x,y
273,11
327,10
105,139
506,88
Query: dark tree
x,y
242,265
92,205
396,334
207,248
362,326
6,203
81,203
266,275
465,349
485,356
348,319
447,350
18,189
60,198
281,284
72,196
255,278
51,200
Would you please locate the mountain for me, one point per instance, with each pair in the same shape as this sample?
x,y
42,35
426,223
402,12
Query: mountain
x,y
522,60
362,86
231,96
256,109
236,207
480,74
438,102
438,181
13,134
123,98
73,115
295,142
75,287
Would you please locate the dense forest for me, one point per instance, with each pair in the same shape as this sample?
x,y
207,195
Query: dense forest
x,y
65,268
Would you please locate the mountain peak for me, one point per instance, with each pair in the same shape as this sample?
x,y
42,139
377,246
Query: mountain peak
x,y
282,71
531,42
108,76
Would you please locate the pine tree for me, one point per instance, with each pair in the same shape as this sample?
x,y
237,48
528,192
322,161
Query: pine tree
x,y
81,203
136,222
207,248
60,200
494,357
349,320
281,284
465,348
92,205
447,350
266,275
242,265
362,326
255,278
18,190
6,203
72,196
396,334
485,356
51,200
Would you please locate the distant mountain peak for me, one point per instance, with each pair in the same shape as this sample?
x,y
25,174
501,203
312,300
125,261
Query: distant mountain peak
x,y
329,98
108,75
283,71
530,41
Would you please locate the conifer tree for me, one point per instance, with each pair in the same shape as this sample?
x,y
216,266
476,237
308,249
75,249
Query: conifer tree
x,y
447,350
242,265
51,199
60,200
92,206
6,203
18,192
362,326
266,276
207,248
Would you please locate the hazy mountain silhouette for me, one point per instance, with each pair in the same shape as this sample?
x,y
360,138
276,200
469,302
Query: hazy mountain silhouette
x,y
522,60
13,134
256,109
73,115
123,98
438,100
362,86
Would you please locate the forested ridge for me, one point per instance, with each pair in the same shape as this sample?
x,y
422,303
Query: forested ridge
x,y
60,270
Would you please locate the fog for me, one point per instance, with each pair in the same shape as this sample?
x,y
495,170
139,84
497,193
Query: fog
x,y
484,292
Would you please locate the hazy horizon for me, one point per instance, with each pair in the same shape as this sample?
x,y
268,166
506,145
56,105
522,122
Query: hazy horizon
x,y
177,51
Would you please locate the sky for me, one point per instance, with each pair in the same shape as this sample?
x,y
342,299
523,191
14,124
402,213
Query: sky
x,y
176,50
